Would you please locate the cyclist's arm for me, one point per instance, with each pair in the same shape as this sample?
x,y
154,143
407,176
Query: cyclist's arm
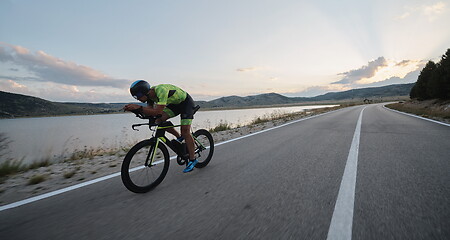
x,y
149,111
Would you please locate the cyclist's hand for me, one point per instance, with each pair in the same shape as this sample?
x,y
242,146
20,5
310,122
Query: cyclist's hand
x,y
131,107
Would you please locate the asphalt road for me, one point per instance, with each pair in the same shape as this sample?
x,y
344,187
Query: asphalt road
x,y
280,184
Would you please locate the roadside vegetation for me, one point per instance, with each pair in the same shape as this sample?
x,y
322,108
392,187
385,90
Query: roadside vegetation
x,y
10,166
222,126
430,95
433,109
433,81
37,179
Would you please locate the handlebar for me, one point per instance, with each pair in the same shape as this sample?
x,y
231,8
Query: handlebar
x,y
151,119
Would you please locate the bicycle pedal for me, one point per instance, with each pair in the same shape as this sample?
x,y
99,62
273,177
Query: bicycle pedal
x,y
181,161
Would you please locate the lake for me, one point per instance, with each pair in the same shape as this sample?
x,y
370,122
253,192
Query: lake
x,y
51,137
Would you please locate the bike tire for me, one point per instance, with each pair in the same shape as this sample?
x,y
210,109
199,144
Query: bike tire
x,y
139,178
203,156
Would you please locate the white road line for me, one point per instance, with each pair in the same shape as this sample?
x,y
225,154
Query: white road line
x,y
412,115
57,192
342,220
51,194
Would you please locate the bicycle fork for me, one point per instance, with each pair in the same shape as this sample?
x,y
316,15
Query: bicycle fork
x,y
152,153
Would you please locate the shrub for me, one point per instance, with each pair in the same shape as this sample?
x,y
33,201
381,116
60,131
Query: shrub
x,y
221,127
37,179
10,167
69,174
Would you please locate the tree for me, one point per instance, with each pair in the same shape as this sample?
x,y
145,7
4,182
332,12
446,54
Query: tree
x,y
445,74
419,90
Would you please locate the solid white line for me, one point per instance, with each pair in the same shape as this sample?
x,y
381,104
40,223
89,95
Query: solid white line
x,y
342,220
412,115
57,192
67,189
51,194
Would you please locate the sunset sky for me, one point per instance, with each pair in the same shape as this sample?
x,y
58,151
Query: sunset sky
x,y
91,51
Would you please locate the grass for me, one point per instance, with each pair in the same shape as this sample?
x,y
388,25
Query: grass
x,y
221,127
10,167
38,164
430,110
90,153
278,115
275,116
70,174
37,179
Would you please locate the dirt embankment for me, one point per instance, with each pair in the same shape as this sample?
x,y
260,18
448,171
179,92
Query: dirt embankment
x,y
434,109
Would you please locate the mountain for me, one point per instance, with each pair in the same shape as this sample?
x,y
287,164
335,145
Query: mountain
x,y
257,100
17,105
373,92
277,99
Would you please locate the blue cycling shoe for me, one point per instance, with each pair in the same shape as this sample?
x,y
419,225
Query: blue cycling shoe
x,y
190,166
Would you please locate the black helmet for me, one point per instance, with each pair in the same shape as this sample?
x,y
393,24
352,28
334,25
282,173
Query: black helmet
x,y
139,88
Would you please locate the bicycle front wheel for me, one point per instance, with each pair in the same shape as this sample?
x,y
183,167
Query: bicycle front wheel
x,y
204,147
139,174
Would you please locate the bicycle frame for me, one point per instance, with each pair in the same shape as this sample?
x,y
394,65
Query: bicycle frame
x,y
159,136
152,173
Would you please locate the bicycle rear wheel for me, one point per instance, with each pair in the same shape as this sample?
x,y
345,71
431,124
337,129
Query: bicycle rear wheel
x,y
138,175
204,147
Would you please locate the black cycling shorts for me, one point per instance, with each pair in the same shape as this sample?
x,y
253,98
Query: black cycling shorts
x,y
185,108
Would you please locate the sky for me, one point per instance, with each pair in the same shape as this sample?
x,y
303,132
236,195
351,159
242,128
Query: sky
x,y
91,51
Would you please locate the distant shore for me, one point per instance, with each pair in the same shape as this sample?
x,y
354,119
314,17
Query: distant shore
x,y
341,102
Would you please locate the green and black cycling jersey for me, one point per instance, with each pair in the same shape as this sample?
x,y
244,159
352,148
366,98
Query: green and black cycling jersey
x,y
177,101
167,94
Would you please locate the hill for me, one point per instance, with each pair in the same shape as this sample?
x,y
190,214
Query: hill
x,y
374,92
277,99
17,105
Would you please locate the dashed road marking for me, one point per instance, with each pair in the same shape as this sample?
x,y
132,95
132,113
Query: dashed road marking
x,y
342,220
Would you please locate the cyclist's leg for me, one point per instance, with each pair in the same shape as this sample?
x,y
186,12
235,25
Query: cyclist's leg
x,y
187,114
186,133
168,113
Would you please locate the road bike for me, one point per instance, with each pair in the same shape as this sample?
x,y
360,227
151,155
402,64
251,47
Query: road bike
x,y
146,163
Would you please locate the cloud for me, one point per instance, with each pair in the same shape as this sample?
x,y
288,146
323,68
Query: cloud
x,y
64,93
363,72
274,79
379,71
431,12
247,69
404,63
46,68
11,86
317,90
408,78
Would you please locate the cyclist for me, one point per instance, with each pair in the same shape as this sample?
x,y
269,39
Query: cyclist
x,y
168,101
